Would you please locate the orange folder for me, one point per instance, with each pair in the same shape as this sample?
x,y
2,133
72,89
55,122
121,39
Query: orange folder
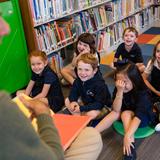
x,y
69,126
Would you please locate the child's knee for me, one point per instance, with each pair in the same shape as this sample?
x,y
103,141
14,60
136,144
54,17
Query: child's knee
x,y
115,115
126,114
67,102
93,114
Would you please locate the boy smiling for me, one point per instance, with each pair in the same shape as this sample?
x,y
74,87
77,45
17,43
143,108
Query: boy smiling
x,y
90,87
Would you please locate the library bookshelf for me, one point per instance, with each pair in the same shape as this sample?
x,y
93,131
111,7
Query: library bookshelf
x,y
52,25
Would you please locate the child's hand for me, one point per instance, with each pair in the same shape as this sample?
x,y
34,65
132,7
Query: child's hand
x,y
120,85
86,50
127,144
73,105
77,109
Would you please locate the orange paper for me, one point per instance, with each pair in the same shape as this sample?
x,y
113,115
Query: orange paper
x,y
69,126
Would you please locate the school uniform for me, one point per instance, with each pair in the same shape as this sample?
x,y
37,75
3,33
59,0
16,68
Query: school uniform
x,y
134,55
93,92
140,103
153,70
55,95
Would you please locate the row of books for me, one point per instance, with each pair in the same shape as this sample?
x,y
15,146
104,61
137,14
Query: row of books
x,y
58,34
48,10
56,63
43,10
53,35
112,35
109,37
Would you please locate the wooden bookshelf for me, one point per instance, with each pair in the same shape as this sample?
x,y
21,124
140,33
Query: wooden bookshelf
x,y
38,28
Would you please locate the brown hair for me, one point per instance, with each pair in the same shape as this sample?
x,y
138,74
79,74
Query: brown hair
x,y
38,53
130,29
154,52
87,38
89,59
133,73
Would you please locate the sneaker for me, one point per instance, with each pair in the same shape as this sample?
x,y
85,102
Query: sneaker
x,y
157,127
132,156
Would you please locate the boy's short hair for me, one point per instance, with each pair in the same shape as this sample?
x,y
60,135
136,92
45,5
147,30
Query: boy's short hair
x,y
130,29
38,53
89,59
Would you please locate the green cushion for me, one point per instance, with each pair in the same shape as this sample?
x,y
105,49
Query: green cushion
x,y
140,133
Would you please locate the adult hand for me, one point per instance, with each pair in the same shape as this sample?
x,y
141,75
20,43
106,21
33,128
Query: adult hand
x,y
35,106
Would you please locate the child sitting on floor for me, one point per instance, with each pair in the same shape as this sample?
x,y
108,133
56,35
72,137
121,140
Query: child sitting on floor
x,y
132,103
151,76
152,72
85,44
129,50
90,87
44,84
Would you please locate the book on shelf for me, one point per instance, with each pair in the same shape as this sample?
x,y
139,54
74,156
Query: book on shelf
x,y
56,63
109,12
65,28
58,27
51,35
52,64
68,126
92,19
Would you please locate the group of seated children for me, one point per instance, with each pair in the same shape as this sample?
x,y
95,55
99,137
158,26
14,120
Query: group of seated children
x,y
18,135
131,100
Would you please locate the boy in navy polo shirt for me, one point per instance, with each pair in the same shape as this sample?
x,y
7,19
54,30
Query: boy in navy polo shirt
x,y
129,50
90,87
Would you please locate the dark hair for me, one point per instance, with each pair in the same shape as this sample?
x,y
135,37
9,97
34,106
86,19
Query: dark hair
x,y
133,73
89,59
87,38
154,52
130,29
38,53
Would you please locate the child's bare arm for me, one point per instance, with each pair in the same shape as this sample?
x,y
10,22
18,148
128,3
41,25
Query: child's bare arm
x,y
29,87
141,67
117,103
145,78
74,60
44,92
129,134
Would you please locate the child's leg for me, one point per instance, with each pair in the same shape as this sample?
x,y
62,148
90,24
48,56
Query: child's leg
x,y
93,114
126,117
68,73
107,121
